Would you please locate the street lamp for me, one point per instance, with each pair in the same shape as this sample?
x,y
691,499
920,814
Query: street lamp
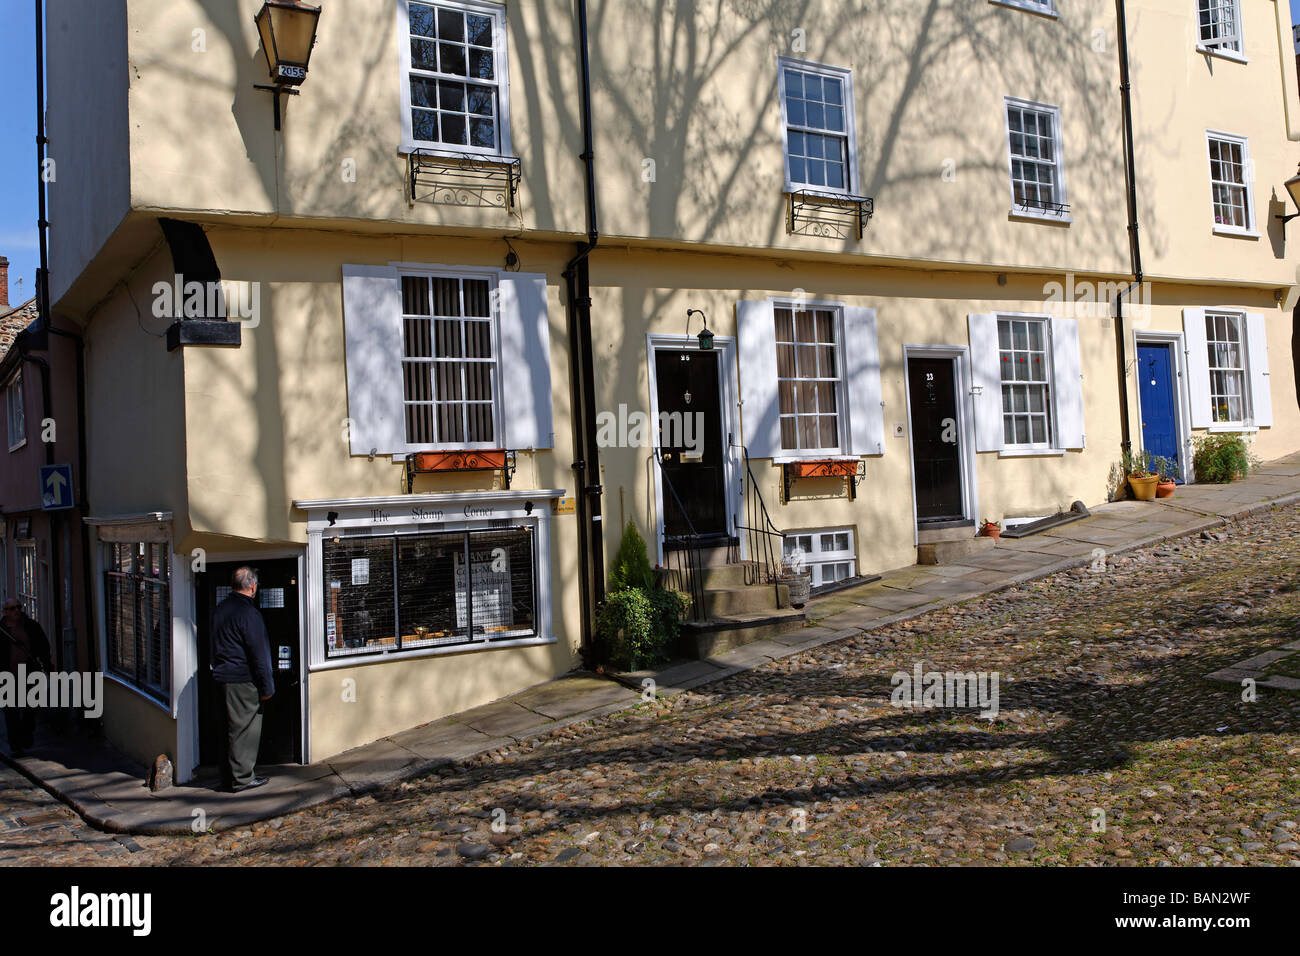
x,y
1292,187
288,32
706,334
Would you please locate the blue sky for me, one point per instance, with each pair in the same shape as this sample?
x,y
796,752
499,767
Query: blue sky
x,y
18,158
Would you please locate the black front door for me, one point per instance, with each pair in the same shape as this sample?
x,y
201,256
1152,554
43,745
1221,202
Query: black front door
x,y
936,461
690,441
277,599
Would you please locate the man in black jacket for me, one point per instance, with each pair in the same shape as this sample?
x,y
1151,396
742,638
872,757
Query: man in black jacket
x,y
241,661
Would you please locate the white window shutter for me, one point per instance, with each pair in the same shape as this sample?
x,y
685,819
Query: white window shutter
x,y
987,382
1198,367
756,335
372,333
1067,383
862,377
1261,399
525,362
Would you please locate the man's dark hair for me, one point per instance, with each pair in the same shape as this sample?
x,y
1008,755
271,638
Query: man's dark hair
x,y
243,578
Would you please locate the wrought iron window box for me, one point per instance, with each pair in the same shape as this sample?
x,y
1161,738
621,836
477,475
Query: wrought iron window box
x,y
1041,207
849,469
464,179
444,462
815,213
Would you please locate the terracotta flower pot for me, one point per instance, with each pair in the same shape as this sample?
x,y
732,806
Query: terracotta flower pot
x,y
1144,489
991,531
1165,489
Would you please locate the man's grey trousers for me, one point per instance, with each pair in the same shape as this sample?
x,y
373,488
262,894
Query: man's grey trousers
x,y
244,719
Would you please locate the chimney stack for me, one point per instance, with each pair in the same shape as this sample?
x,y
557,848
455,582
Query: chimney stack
x,y
4,283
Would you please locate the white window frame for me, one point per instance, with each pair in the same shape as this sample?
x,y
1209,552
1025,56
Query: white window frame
x,y
1247,421
851,180
817,560
27,578
1219,47
500,53
1051,397
841,387
1060,194
1247,175
491,276
160,693
1046,8
17,413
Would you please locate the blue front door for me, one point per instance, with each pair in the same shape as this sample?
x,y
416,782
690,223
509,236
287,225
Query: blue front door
x,y
1159,406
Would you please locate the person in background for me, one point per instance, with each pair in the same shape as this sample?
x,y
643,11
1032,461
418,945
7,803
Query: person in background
x,y
22,641
241,662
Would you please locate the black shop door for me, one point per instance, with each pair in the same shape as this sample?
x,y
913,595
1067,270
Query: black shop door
x,y
277,599
690,441
936,460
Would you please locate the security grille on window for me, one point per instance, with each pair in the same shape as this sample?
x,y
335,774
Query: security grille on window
x,y
1035,159
808,379
454,85
829,555
1220,24
1026,394
1227,367
417,592
449,362
14,403
817,133
137,607
27,586
1229,184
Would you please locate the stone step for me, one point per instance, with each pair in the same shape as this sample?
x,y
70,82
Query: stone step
x,y
950,552
726,602
701,639
941,535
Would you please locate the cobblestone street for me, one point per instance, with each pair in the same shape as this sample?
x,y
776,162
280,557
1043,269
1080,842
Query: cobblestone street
x,y
1111,747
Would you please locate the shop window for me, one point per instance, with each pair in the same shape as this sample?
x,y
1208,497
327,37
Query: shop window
x,y
27,578
416,592
137,609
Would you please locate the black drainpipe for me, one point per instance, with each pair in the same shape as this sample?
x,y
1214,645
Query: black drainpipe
x,y
1135,244
577,277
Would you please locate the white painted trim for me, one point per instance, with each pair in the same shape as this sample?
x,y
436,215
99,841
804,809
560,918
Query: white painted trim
x,y
1183,426
962,380
729,397
842,417
852,176
1028,6
185,666
502,54
1031,452
1063,196
1248,171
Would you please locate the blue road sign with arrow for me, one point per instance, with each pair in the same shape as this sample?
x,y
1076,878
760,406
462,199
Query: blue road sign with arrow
x,y
56,487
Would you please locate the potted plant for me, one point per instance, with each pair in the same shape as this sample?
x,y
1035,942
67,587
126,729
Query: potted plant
x,y
1141,478
991,529
796,576
1165,470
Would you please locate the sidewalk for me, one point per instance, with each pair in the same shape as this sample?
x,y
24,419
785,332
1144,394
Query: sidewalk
x,y
109,792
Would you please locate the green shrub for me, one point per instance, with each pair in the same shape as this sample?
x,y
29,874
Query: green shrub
x,y
631,568
1222,458
638,626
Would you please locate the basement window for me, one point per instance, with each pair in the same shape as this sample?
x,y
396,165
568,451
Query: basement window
x,y
828,554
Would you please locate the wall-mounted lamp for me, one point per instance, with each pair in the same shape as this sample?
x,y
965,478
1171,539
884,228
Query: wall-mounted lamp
x,y
706,334
288,32
1292,187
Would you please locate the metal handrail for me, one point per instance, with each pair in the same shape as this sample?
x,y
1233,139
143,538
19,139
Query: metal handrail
x,y
764,564
690,564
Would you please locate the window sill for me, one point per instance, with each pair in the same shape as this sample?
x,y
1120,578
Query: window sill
x,y
1227,429
1019,215
140,692
1222,54
367,660
1031,453
18,445
1027,8
813,456
1236,233
467,155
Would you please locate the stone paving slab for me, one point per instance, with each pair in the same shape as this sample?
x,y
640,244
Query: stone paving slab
x,y
573,695
502,719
